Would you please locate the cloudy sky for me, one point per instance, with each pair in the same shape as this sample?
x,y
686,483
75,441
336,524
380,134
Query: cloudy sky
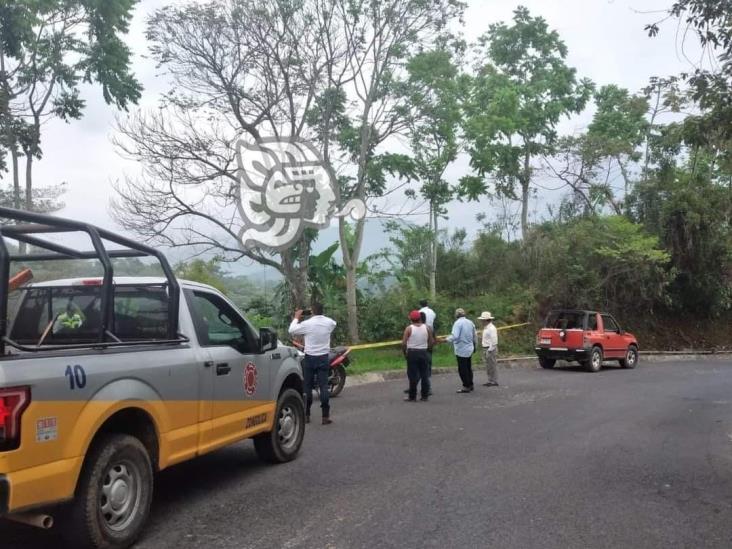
x,y
606,43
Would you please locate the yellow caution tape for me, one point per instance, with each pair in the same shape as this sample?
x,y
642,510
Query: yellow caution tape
x,y
399,341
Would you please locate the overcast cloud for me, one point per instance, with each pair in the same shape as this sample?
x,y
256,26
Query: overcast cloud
x,y
606,43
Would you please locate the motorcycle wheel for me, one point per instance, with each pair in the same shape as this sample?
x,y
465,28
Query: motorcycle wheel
x,y
337,380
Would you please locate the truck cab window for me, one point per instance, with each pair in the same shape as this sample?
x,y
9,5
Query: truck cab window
x,y
218,323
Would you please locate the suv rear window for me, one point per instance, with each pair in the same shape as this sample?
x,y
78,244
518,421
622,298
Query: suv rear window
x,y
72,314
566,320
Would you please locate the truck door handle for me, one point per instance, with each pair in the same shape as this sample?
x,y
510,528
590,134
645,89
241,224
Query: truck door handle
x,y
208,364
222,369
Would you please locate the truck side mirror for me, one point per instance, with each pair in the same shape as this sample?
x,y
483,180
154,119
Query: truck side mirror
x,y
267,339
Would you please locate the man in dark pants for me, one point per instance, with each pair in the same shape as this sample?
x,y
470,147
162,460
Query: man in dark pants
x,y
416,343
316,331
463,339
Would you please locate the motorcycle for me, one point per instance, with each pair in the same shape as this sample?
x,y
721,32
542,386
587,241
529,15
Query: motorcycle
x,y
338,360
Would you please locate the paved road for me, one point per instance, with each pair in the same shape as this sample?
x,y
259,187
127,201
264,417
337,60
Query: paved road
x,y
552,459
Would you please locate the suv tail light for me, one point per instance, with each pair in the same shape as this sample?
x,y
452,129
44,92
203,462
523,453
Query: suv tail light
x,y
13,402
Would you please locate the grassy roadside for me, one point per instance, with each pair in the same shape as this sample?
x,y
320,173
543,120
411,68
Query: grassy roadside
x,y
518,341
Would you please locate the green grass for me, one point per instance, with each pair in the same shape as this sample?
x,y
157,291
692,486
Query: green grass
x,y
519,341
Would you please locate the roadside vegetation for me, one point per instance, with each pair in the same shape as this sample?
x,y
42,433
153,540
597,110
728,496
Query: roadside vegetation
x,y
631,214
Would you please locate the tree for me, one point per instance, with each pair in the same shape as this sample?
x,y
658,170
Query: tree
x,y
48,49
241,69
521,91
688,205
709,83
591,163
203,271
408,256
380,37
433,91
618,129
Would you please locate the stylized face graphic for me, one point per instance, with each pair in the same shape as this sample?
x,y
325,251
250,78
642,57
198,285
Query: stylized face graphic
x,y
304,192
285,187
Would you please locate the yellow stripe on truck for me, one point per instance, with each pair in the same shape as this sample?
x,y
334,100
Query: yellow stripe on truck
x,y
47,471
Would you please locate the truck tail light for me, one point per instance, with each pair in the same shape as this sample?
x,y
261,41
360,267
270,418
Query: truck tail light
x,y
13,402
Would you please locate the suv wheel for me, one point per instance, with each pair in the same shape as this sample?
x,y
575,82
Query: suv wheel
x,y
547,363
631,357
594,364
113,496
283,442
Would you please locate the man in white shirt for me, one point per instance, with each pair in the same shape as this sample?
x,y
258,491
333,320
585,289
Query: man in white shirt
x,y
429,317
316,331
490,348
429,314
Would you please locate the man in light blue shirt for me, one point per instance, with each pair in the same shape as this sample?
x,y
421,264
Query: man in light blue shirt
x,y
463,340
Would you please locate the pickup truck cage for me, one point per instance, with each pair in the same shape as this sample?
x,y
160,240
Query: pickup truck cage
x,y
27,225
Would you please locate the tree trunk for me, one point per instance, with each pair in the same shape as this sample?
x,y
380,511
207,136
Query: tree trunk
x,y
350,263
525,181
351,255
352,305
28,182
22,246
16,178
433,252
17,199
296,280
524,207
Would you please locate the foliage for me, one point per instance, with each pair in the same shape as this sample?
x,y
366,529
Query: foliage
x,y
433,91
48,50
521,91
691,214
199,270
590,164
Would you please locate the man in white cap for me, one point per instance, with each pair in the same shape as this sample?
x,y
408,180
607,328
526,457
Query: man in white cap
x,y
490,348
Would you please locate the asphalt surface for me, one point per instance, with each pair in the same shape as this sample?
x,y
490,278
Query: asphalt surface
x,y
551,459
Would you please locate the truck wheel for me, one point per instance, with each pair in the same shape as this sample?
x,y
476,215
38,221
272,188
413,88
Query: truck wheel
x,y
283,442
594,364
337,381
113,496
631,357
547,363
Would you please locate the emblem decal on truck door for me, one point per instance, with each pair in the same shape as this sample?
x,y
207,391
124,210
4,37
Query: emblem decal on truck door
x,y
250,378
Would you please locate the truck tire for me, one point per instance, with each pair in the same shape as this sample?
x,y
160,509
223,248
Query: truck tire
x,y
594,364
547,363
631,358
113,496
337,381
283,443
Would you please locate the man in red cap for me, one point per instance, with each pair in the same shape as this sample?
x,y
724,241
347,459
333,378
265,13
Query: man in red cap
x,y
418,339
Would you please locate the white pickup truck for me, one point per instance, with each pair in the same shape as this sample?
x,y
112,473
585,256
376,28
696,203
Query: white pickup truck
x,y
106,380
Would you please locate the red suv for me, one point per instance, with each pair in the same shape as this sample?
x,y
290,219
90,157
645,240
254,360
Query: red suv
x,y
587,337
